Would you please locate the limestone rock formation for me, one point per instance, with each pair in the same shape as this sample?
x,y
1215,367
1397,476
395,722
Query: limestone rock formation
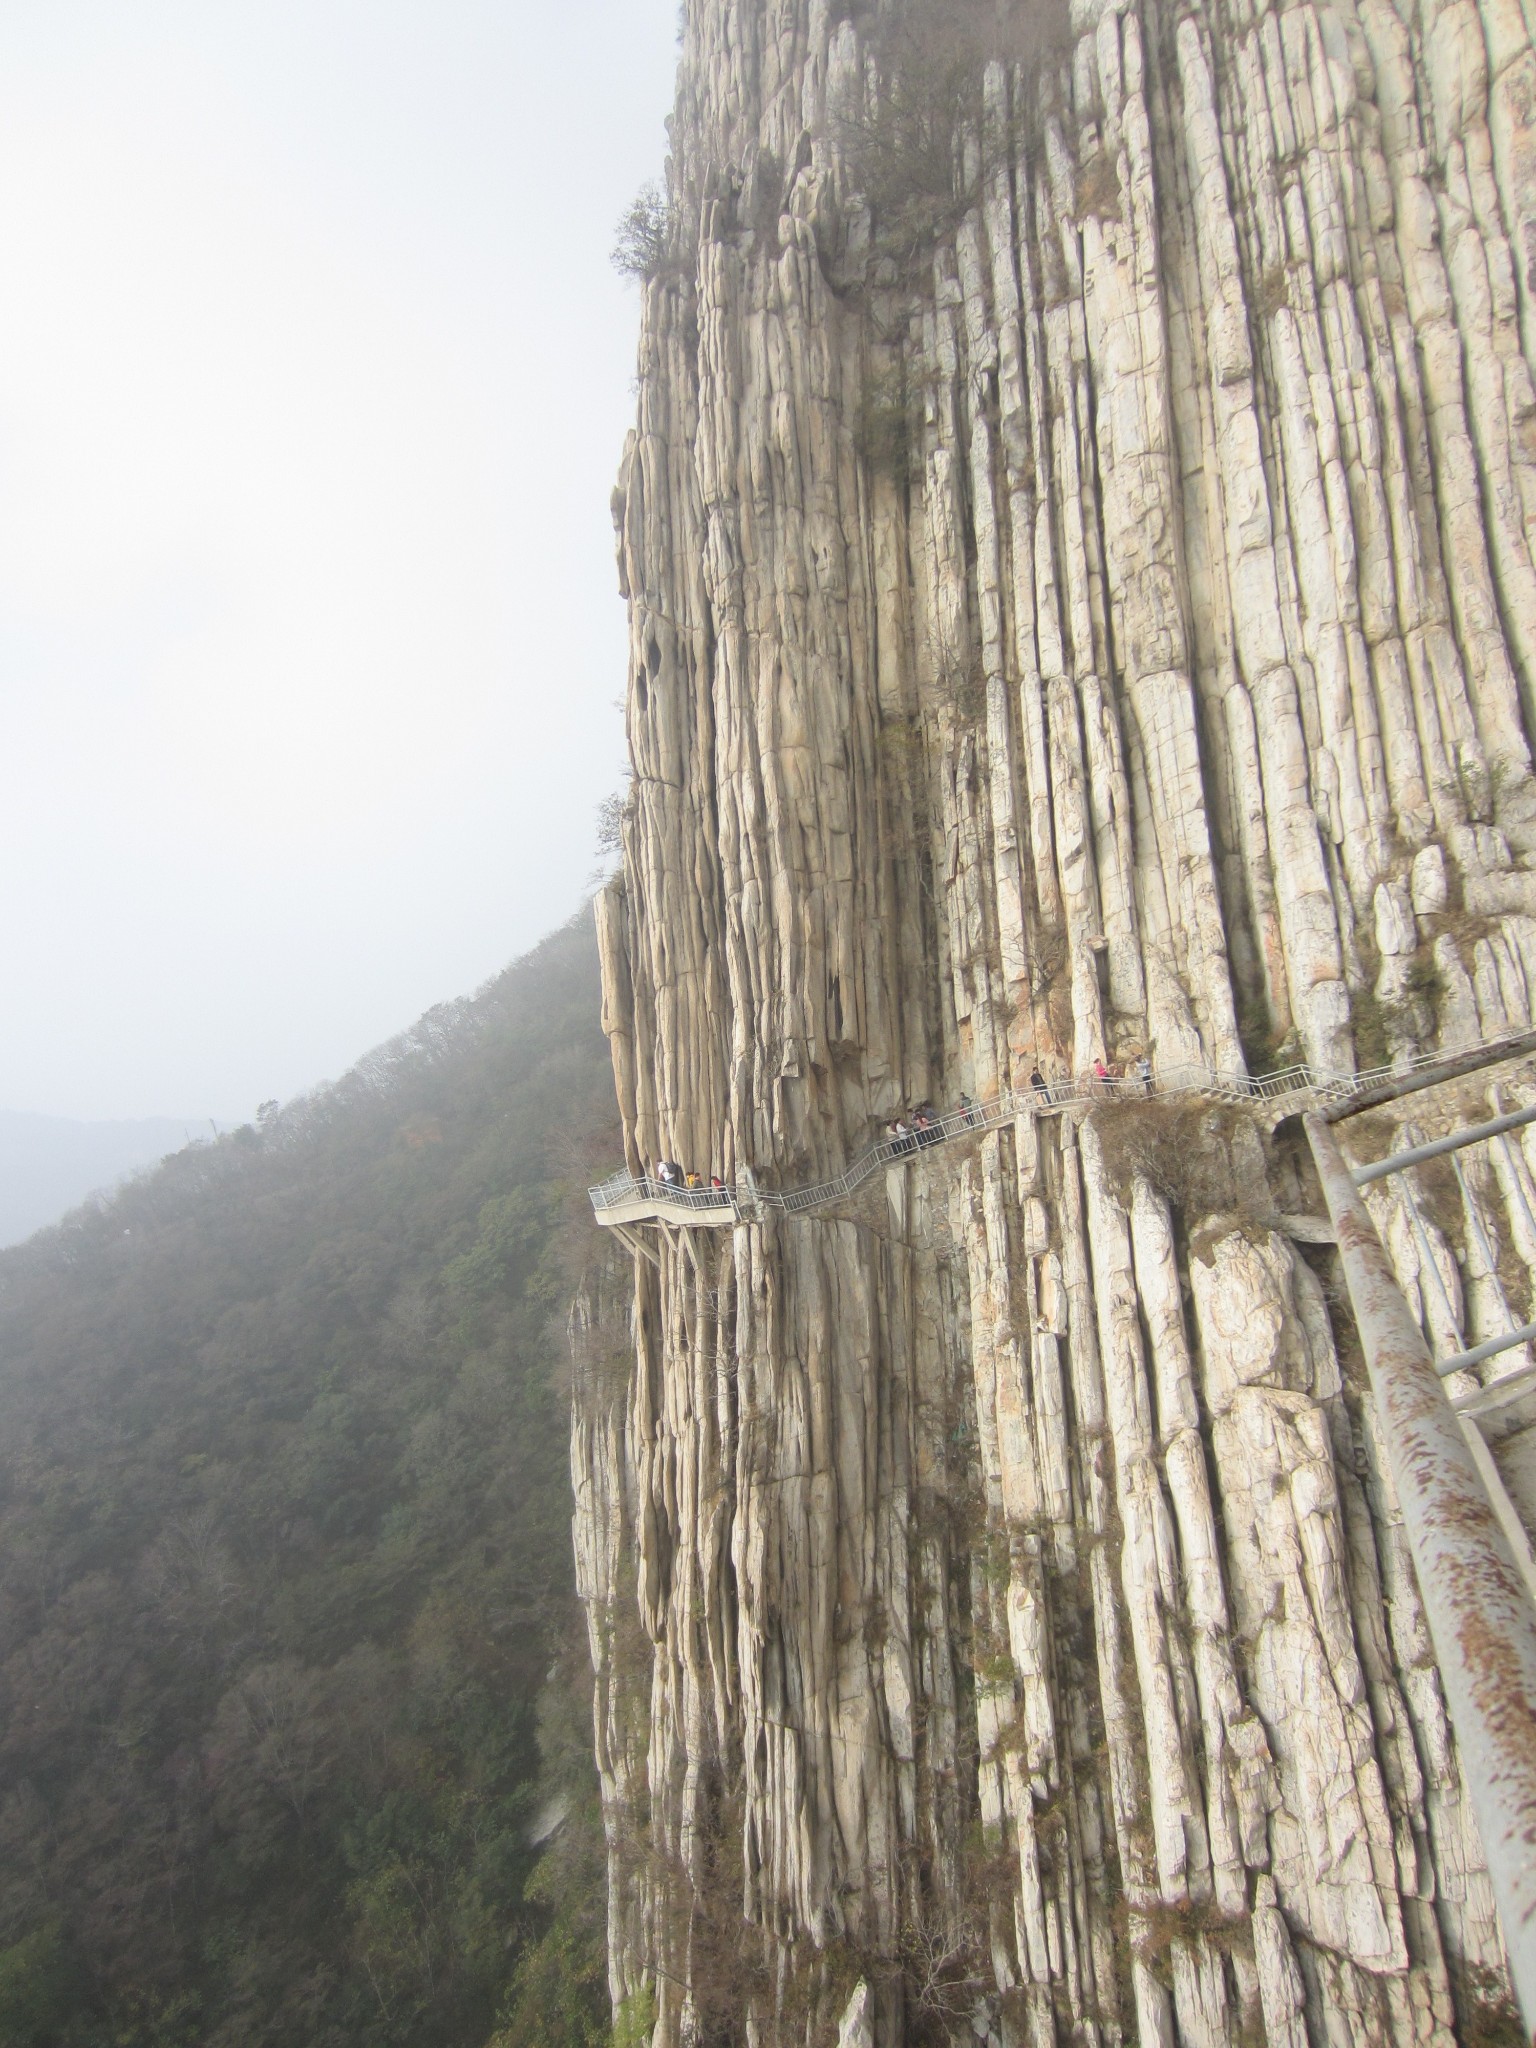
x,y
1080,541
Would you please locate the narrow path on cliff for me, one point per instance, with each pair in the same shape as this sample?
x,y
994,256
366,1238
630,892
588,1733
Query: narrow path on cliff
x,y
627,1198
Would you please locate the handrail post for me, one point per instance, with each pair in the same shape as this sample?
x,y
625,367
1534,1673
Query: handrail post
x,y
1480,1619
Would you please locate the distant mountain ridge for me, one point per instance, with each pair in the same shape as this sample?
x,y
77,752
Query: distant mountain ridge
x,y
50,1164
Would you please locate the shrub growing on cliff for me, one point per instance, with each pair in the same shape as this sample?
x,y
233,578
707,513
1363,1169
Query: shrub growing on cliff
x,y
612,814
906,150
644,244
1488,2017
882,425
1185,1150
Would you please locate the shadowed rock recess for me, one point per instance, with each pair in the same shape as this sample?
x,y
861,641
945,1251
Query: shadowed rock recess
x,y
1080,541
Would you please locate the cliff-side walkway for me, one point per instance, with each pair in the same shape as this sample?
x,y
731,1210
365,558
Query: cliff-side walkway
x,y
627,1198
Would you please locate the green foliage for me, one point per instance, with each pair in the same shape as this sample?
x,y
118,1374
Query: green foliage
x,y
906,149
1266,1048
634,2020
1370,1019
1423,982
611,813
284,1561
35,1995
1487,2016
645,242
1382,1027
882,426
559,1995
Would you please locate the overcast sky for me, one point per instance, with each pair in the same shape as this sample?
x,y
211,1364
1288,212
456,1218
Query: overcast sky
x,y
314,376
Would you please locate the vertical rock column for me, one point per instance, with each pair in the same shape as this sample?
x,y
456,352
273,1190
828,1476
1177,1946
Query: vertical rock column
x,y
1086,611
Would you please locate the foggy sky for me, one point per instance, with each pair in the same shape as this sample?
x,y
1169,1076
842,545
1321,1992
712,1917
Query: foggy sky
x,y
314,376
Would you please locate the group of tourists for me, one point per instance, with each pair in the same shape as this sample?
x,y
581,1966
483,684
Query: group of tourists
x,y
1137,1070
671,1175
907,1133
921,1127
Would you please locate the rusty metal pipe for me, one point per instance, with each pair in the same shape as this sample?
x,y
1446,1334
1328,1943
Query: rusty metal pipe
x,y
1490,1349
1480,1619
1453,1069
1474,1134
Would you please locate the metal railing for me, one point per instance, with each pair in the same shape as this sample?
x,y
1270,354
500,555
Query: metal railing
x,y
621,1189
1471,1579
1316,1084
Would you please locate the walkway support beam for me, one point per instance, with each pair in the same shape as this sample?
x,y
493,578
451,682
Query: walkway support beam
x,y
1458,1141
1393,1087
1480,1617
1491,1349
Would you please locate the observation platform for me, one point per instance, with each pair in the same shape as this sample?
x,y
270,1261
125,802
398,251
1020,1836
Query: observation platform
x,y
626,1199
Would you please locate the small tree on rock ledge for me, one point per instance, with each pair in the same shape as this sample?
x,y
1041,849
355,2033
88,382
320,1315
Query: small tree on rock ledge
x,y
643,246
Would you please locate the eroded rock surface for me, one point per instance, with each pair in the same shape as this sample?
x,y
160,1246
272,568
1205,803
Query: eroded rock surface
x,y
1094,614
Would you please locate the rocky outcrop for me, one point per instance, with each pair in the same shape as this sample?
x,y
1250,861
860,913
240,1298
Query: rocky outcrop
x,y
1079,544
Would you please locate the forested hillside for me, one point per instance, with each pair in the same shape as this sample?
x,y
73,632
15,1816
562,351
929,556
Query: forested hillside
x,y
285,1565
48,1164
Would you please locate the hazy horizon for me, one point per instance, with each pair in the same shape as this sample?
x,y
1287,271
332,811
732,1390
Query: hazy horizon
x,y
312,390
50,1165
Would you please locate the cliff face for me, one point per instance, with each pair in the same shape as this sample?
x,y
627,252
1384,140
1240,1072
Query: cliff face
x,y
1086,608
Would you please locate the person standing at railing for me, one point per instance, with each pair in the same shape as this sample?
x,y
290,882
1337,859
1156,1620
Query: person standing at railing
x,y
1041,1086
1142,1069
